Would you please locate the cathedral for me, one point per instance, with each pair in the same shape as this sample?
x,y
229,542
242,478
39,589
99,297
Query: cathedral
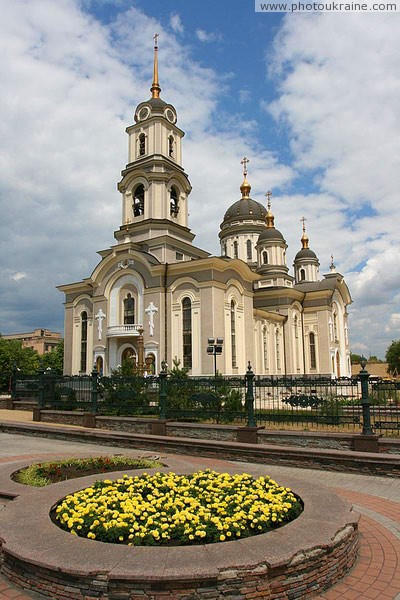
x,y
154,296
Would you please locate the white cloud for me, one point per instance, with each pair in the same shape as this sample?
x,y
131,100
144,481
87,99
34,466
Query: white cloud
x,y
18,276
176,23
244,96
393,326
207,36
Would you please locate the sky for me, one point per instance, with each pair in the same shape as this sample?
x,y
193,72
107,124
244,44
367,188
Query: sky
x,y
312,99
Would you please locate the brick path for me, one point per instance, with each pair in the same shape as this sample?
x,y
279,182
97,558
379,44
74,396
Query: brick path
x,y
377,571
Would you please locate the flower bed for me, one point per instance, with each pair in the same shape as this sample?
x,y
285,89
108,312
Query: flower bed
x,y
41,474
169,509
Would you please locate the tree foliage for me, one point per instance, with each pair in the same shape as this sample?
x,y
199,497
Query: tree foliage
x,y
54,360
26,360
393,357
356,359
13,355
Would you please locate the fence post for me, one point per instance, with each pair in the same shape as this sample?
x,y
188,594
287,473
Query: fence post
x,y
41,388
94,390
251,422
163,392
367,441
364,376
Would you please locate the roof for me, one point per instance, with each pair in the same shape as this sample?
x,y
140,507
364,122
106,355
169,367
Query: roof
x,y
314,286
245,208
269,234
156,103
305,253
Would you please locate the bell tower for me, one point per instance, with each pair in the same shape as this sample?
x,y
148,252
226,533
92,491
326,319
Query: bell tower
x,y
154,185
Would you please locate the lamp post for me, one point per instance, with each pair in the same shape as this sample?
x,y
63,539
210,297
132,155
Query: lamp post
x,y
214,347
364,376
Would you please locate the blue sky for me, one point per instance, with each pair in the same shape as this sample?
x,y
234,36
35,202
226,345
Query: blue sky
x,y
311,99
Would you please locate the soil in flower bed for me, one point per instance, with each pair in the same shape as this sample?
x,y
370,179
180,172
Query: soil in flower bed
x,y
42,474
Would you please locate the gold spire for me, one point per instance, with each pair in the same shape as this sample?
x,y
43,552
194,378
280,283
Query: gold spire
x,y
269,216
245,187
304,237
155,88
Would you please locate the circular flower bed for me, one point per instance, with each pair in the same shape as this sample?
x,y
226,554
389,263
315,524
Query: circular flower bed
x,y
169,509
41,474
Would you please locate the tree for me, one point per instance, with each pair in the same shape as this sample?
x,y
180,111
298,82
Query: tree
x,y
393,357
355,358
54,360
13,355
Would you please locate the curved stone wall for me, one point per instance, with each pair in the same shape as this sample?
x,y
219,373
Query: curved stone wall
x,y
298,560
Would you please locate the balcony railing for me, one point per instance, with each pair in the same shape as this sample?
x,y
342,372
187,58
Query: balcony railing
x,y
123,330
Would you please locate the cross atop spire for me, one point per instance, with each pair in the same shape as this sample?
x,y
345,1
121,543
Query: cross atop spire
x,y
155,88
245,187
304,237
268,196
332,268
269,217
244,162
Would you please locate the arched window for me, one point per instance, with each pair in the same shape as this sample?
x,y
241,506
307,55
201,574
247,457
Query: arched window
x,y
235,250
233,333
171,143
138,201
277,350
265,258
129,354
174,203
249,250
296,327
99,365
142,144
302,275
187,332
313,356
338,373
150,364
265,348
84,339
129,310
225,250
335,326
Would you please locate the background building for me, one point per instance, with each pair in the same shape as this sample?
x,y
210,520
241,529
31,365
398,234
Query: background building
x,y
155,296
41,340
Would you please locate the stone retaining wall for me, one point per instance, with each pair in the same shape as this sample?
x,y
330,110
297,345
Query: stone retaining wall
x,y
299,560
302,439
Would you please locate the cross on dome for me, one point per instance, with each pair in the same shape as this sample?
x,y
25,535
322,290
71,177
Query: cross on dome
x,y
244,162
268,196
155,88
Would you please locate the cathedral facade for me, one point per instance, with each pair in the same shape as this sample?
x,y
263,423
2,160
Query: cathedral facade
x,y
155,296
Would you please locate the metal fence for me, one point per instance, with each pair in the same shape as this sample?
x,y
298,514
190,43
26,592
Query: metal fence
x,y
308,402
301,403
216,399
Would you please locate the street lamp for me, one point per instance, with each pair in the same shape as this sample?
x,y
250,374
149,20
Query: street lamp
x,y
365,404
214,347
